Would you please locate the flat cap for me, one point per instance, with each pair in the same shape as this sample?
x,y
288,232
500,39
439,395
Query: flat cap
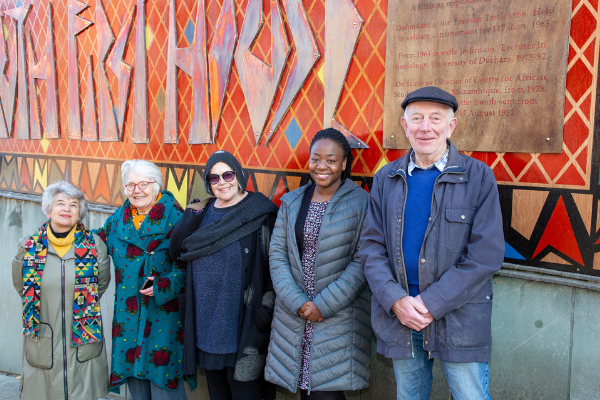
x,y
431,93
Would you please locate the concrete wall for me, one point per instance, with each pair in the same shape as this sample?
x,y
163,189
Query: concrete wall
x,y
545,335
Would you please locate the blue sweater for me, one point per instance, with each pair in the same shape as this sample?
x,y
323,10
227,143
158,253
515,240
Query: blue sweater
x,y
218,293
416,218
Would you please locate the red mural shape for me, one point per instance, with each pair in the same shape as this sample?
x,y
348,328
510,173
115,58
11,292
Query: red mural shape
x,y
559,234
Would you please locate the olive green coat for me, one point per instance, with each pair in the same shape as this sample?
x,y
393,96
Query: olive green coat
x,y
45,362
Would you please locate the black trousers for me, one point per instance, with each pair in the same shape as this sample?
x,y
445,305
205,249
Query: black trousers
x,y
337,395
222,386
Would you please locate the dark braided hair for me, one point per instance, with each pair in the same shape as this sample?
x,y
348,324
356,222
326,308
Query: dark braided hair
x,y
338,137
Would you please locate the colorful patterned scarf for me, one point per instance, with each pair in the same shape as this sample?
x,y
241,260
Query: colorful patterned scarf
x,y
87,321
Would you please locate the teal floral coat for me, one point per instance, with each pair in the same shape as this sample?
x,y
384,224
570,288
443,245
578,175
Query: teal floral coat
x,y
147,335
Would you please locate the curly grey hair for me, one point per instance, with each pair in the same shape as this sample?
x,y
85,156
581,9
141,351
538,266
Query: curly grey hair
x,y
145,169
68,190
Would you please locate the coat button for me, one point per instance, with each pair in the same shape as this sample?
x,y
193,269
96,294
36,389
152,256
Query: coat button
x,y
422,261
462,217
461,178
488,297
246,250
399,219
426,342
247,269
430,218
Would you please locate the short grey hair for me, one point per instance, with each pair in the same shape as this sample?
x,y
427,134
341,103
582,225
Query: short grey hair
x,y
145,169
68,190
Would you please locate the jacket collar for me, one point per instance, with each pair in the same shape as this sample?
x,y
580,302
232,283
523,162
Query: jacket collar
x,y
455,165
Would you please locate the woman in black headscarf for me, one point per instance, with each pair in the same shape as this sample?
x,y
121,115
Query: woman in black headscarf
x,y
229,295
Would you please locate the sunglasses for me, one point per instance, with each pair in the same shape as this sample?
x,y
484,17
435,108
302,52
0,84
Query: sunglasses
x,y
142,185
213,179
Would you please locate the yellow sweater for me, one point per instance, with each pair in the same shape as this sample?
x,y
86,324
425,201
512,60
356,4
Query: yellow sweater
x,y
61,246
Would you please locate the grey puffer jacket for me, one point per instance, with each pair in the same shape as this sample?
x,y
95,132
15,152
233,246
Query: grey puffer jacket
x,y
341,345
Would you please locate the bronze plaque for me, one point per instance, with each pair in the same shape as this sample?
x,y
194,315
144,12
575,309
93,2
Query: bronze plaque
x,y
505,61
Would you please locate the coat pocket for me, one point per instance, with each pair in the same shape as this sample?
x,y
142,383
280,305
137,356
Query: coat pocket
x,y
470,326
40,354
89,351
458,228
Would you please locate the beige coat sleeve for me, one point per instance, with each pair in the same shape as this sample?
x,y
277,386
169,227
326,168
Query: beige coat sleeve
x,y
103,266
17,267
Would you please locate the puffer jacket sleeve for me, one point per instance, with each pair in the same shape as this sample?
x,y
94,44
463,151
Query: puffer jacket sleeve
x,y
374,254
287,289
349,285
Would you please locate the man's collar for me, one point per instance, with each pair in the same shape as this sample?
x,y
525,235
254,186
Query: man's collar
x,y
439,164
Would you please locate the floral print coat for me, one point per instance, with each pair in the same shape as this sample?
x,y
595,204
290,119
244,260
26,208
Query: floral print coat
x,y
147,336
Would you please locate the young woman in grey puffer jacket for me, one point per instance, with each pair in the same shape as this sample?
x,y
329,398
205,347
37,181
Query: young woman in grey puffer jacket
x,y
321,331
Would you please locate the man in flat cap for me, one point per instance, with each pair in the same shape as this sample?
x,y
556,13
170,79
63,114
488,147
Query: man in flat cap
x,y
432,241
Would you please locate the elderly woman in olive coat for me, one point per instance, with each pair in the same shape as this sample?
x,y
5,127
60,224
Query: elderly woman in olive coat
x,y
64,353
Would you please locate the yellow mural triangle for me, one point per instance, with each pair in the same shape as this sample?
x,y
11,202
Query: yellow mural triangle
x,y
180,193
321,74
149,36
40,174
382,164
45,144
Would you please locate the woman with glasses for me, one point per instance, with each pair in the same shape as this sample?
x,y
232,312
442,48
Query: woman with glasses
x,y
147,334
229,296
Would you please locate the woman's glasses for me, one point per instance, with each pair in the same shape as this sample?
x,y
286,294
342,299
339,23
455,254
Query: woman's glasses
x,y
142,185
213,179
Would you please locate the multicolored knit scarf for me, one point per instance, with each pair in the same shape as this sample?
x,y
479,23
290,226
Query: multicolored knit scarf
x,y
87,321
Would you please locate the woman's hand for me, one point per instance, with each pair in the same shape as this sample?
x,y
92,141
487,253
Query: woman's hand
x,y
310,312
150,290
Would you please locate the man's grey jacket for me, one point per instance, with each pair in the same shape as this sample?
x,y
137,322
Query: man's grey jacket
x,y
462,248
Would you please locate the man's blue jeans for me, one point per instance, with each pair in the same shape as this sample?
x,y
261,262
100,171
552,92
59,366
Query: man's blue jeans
x,y
467,381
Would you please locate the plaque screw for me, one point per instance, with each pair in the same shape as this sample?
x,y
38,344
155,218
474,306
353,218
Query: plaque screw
x,y
315,54
547,139
355,24
391,135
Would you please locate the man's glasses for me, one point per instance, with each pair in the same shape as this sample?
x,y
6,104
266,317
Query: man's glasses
x,y
142,185
213,179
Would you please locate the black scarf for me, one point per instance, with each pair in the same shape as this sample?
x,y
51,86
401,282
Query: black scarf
x,y
233,226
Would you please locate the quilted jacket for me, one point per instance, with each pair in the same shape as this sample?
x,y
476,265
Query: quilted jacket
x,y
341,344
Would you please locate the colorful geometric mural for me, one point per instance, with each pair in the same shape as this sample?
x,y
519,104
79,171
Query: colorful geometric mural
x,y
550,202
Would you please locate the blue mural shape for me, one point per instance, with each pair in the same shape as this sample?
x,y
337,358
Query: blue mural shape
x,y
189,31
510,252
293,133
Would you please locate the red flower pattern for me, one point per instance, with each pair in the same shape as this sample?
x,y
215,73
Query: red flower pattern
x,y
127,215
160,357
157,213
114,378
179,336
173,383
153,245
130,356
132,305
118,275
147,328
171,306
164,285
117,329
132,252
